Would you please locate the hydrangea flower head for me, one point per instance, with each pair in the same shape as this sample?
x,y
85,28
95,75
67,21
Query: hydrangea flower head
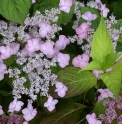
x,y
63,59
50,104
1,110
47,49
105,93
82,30
6,52
44,29
89,16
29,112
33,45
81,61
91,118
61,89
15,105
65,5
62,42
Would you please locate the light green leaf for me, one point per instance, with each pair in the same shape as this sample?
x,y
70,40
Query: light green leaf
x,y
118,65
109,60
94,23
112,80
69,114
15,10
77,83
101,44
99,108
94,65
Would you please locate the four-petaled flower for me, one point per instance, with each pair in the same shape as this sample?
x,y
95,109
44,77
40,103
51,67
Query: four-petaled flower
x,y
82,30
15,105
91,118
29,112
81,61
105,93
33,45
65,5
61,89
44,29
89,16
63,59
50,104
62,42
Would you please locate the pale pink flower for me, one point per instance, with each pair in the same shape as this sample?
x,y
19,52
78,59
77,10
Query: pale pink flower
x,y
15,105
97,72
81,61
1,110
82,30
105,93
47,49
91,118
29,112
6,52
75,24
15,47
25,122
65,5
44,29
50,104
63,59
62,42
109,69
33,45
25,52
89,16
61,89
33,1
104,10
2,70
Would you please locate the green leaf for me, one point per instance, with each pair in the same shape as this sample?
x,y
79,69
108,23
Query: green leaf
x,y
47,5
119,47
77,83
112,80
94,65
4,93
101,44
95,22
15,10
109,60
9,61
99,108
69,114
118,65
66,17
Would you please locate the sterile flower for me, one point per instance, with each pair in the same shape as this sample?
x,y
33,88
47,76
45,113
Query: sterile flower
x,y
82,30
15,105
63,59
33,45
91,118
6,52
44,29
47,49
65,5
89,16
50,104
105,93
62,42
2,70
25,122
61,89
1,110
104,10
29,112
81,61
15,47
33,1
97,72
